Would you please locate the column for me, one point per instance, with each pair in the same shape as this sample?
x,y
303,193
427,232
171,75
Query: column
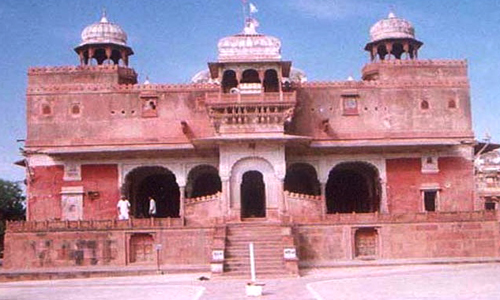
x,y
406,49
388,47
225,201
323,199
182,190
384,207
91,55
108,55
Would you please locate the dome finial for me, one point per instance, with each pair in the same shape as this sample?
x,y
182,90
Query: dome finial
x,y
104,19
391,15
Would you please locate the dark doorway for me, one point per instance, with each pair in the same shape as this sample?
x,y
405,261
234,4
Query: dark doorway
x,y
253,195
156,182
301,178
203,180
353,187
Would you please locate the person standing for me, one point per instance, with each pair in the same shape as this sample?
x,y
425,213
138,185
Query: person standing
x,y
152,207
123,207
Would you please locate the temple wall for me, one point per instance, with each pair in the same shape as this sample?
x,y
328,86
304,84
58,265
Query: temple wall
x,y
104,247
406,182
327,244
44,191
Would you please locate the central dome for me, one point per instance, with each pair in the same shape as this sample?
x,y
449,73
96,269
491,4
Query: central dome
x,y
104,32
249,45
392,28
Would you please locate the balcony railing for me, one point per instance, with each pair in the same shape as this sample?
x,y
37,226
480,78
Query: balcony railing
x,y
217,98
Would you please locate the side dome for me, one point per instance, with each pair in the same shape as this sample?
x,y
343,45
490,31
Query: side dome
x,y
392,28
104,42
249,45
104,32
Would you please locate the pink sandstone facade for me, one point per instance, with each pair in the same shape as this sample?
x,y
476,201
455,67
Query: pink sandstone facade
x,y
315,173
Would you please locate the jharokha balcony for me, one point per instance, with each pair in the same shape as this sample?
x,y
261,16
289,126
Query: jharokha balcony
x,y
250,112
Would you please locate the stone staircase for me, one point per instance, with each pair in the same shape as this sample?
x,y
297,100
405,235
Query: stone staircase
x,y
269,242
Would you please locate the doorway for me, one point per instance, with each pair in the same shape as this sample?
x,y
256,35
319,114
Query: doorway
x,y
253,195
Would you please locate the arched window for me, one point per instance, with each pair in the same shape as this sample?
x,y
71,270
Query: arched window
x,y
250,76
424,104
203,180
271,82
229,81
302,178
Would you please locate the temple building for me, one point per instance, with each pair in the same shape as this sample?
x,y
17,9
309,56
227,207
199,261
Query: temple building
x,y
314,173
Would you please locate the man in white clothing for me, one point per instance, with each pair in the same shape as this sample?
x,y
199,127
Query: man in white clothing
x,y
123,207
152,207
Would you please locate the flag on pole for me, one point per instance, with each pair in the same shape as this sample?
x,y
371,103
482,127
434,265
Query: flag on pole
x,y
253,8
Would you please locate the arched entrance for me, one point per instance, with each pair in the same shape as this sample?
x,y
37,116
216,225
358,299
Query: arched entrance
x,y
353,187
253,195
203,180
302,178
156,182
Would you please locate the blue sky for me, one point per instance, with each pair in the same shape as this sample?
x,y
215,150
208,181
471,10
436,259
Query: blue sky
x,y
173,40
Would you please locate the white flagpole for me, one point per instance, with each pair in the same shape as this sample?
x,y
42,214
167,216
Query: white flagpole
x,y
252,262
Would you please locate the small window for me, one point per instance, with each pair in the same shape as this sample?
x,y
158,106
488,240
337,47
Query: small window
x,y
430,164
430,198
149,107
489,205
424,104
75,109
350,105
452,104
46,110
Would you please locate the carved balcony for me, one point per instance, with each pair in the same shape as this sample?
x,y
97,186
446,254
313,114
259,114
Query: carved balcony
x,y
250,113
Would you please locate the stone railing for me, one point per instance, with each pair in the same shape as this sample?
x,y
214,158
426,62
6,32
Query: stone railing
x,y
297,196
223,98
436,217
88,225
214,197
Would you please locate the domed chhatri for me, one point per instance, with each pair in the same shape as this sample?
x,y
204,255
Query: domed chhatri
x,y
104,32
249,45
105,42
391,38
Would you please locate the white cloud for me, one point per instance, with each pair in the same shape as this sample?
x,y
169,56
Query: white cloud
x,y
332,9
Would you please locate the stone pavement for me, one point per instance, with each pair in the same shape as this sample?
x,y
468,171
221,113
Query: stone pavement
x,y
456,281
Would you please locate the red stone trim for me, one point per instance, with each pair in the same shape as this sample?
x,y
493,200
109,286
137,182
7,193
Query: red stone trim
x,y
35,226
297,196
63,88
214,197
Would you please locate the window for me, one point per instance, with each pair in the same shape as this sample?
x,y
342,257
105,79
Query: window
x,y
489,205
350,105
46,109
424,105
430,198
149,107
452,104
430,164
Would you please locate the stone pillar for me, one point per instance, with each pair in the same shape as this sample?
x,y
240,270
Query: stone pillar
x,y
406,49
323,199
225,201
388,47
281,191
384,207
182,197
91,55
108,55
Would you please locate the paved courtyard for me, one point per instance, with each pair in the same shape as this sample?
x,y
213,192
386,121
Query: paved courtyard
x,y
457,282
